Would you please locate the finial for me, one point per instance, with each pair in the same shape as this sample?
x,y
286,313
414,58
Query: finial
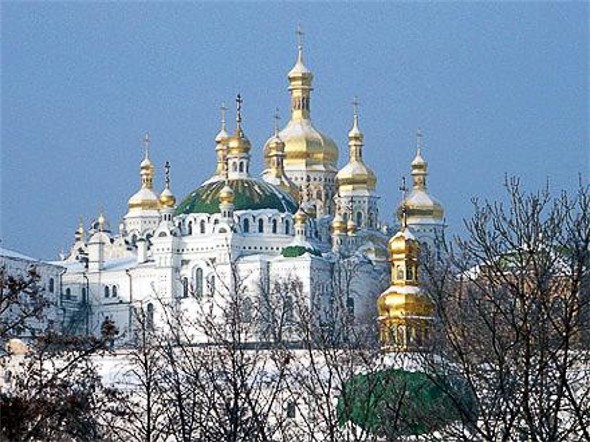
x,y
404,189
299,32
146,144
223,109
277,118
101,219
355,106
167,174
419,142
239,102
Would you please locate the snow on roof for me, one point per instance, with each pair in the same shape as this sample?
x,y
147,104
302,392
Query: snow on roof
x,y
6,253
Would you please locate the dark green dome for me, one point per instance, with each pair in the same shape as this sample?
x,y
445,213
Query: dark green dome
x,y
396,402
249,194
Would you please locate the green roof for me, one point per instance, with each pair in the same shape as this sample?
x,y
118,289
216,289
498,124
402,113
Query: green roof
x,y
396,402
250,194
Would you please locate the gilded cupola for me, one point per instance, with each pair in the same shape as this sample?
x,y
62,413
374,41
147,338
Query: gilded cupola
x,y
145,198
167,198
421,207
305,146
355,175
221,146
238,144
275,173
405,311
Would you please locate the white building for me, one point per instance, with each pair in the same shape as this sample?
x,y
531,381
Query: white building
x,y
304,220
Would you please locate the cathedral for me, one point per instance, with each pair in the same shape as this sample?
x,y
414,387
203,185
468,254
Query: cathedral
x,y
303,219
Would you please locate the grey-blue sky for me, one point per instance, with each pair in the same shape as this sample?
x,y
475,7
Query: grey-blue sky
x,y
496,88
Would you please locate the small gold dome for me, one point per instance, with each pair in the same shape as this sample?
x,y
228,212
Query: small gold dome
x,y
167,199
238,144
226,195
300,217
338,225
403,243
397,303
351,227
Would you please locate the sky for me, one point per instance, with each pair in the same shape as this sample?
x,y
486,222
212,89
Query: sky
x,y
496,88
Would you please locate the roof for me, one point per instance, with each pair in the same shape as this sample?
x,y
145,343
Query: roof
x,y
6,253
249,194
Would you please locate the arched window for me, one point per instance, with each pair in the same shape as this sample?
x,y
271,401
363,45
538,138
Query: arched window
x,y
371,220
247,310
241,166
359,219
345,217
260,225
190,228
68,293
83,293
202,226
274,226
149,323
400,273
410,273
234,167
134,238
51,285
319,195
184,287
114,291
212,285
287,227
199,282
106,291
246,227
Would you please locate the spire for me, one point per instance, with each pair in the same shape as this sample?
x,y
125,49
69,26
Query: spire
x,y
277,118
355,136
167,174
146,143
419,165
222,134
167,199
239,102
300,78
404,189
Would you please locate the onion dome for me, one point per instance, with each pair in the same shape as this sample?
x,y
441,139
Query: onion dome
x,y
249,194
145,198
351,227
238,143
338,225
305,146
300,217
226,195
275,173
421,207
355,175
167,198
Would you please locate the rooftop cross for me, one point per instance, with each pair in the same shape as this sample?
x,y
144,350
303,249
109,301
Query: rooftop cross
x,y
223,109
277,118
239,102
167,171
146,144
419,142
299,32
355,105
404,189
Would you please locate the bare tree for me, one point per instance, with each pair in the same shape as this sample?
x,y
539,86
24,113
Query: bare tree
x,y
512,303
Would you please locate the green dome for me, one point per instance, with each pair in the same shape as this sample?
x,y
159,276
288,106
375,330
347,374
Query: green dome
x,y
249,194
396,402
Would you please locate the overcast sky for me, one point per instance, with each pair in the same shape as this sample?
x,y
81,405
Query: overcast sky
x,y
496,89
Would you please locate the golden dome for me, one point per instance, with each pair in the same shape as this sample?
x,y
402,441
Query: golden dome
x,y
420,206
403,243
226,195
355,175
167,199
338,225
238,143
300,217
351,227
145,199
400,303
